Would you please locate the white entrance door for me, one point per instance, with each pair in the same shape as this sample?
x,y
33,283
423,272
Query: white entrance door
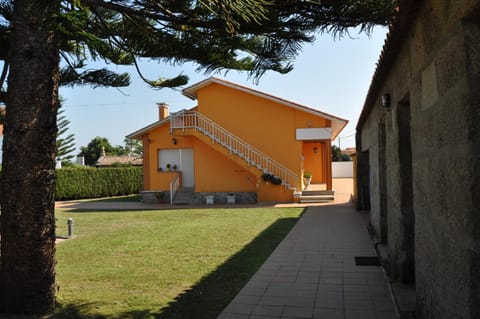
x,y
183,159
186,166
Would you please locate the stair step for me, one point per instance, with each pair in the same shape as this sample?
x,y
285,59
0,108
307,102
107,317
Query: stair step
x,y
318,193
184,196
317,196
317,199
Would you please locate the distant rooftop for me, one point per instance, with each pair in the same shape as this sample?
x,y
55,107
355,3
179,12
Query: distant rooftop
x,y
108,160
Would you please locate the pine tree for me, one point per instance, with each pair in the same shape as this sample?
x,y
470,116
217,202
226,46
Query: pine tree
x,y
133,147
251,35
65,144
95,148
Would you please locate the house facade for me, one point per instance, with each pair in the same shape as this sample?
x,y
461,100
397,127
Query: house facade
x,y
418,155
240,141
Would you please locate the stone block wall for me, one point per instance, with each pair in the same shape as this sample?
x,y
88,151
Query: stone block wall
x,y
425,188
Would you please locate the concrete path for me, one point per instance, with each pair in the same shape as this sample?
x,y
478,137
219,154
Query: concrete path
x,y
312,273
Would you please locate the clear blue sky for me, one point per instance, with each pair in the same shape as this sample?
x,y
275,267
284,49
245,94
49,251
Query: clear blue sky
x,y
331,75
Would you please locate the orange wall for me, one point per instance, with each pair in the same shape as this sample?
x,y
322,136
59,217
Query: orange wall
x,y
265,124
162,180
156,139
315,163
268,192
215,172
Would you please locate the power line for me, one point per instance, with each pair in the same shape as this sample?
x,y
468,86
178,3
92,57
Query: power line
x,y
117,104
347,136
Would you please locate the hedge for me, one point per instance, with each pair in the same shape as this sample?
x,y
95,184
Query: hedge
x,y
90,182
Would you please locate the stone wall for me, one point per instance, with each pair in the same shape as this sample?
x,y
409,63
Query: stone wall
x,y
424,159
198,198
221,197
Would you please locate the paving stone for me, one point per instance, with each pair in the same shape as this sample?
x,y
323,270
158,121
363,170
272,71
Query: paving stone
x,y
274,311
359,314
358,304
246,299
323,313
273,301
306,301
297,312
328,287
238,308
233,316
332,303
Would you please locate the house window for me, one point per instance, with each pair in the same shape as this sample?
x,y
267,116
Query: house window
x,y
168,159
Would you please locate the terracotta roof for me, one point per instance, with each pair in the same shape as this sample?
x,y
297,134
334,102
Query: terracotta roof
x,y
349,151
338,123
110,160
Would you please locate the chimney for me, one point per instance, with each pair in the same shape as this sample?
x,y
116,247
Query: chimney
x,y
162,110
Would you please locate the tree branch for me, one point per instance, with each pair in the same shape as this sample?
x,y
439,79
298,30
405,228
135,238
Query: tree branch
x,y
4,73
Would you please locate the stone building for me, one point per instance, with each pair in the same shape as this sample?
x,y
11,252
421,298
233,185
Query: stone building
x,y
418,152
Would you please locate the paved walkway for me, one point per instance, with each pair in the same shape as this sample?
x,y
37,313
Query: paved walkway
x,y
312,273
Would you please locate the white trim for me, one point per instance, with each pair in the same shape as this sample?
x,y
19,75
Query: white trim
x,y
303,134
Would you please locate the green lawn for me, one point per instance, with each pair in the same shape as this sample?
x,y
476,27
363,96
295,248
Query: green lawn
x,y
163,264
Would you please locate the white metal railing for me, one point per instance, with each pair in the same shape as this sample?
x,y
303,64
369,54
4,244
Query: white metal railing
x,y
174,186
193,120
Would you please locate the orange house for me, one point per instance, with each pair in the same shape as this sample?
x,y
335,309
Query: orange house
x,y
237,144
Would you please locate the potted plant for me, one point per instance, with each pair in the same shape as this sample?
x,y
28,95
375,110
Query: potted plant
x,y
276,180
266,177
169,168
231,198
307,178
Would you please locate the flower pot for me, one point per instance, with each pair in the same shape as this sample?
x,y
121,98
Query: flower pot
x,y
306,181
210,199
231,199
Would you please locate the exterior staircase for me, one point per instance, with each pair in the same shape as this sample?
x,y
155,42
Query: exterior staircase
x,y
191,122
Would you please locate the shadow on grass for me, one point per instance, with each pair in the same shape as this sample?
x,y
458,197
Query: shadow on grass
x,y
212,293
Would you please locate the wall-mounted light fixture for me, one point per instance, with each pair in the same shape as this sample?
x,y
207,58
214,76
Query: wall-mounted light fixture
x,y
386,101
174,141
315,150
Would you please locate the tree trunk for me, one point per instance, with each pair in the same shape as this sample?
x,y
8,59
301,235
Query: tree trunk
x,y
27,273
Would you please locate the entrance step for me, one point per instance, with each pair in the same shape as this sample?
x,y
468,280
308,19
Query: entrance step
x,y
184,196
317,193
316,196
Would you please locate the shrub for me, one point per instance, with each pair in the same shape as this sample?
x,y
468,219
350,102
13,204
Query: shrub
x,y
90,182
